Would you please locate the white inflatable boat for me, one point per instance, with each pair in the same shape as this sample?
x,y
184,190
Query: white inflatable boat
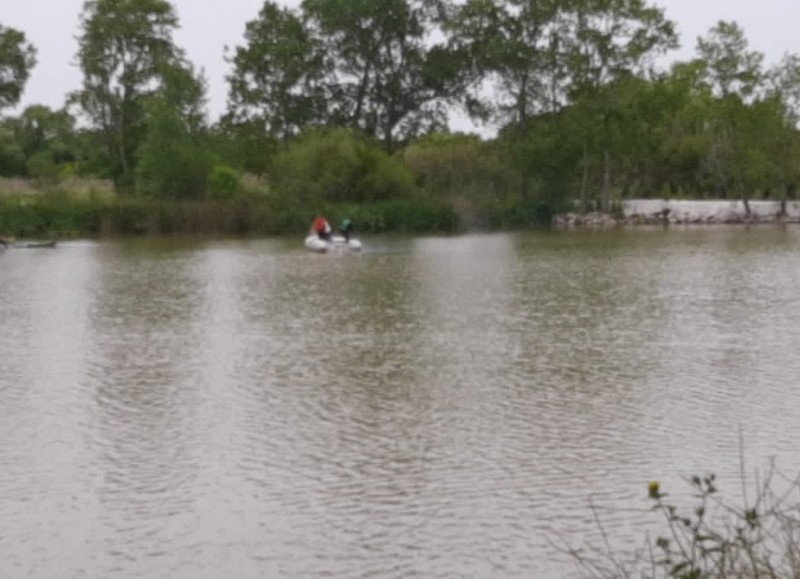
x,y
337,243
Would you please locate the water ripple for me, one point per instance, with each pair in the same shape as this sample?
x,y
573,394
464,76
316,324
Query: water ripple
x,y
446,407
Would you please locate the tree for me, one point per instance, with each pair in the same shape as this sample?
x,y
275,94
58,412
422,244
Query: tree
x,y
515,52
516,46
386,78
733,74
680,163
173,160
631,128
243,145
548,152
611,40
731,69
456,166
48,139
784,83
338,165
277,77
765,149
12,157
17,58
125,50
546,55
785,86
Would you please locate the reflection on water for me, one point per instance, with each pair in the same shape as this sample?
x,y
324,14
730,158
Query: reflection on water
x,y
431,407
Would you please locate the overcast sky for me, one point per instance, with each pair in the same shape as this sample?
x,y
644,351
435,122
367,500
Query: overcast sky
x,y
207,26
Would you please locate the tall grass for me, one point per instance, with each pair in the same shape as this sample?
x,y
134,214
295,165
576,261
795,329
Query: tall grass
x,y
57,214
48,214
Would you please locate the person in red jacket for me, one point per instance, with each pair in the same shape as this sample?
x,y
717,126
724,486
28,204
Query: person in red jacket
x,y
321,228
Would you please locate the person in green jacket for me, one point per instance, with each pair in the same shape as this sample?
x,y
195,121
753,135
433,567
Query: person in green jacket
x,y
346,228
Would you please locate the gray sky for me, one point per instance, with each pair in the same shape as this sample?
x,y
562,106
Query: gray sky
x,y
207,26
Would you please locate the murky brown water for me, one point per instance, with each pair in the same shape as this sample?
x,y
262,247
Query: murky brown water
x,y
433,407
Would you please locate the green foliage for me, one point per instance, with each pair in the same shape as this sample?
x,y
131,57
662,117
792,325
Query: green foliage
x,y
447,165
244,145
337,166
17,58
783,82
585,118
48,214
320,166
398,215
276,81
179,171
381,177
763,148
223,182
171,164
61,214
365,65
516,213
12,157
518,43
546,151
416,216
730,68
126,55
385,75
41,166
173,160
39,143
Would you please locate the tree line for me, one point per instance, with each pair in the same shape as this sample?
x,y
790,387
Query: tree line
x,y
347,101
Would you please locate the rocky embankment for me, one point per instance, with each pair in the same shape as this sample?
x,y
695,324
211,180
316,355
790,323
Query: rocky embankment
x,y
664,212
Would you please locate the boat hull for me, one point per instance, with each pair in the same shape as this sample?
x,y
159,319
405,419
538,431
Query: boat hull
x,y
337,243
5,244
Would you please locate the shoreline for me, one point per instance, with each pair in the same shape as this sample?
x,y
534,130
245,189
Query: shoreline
x,y
685,212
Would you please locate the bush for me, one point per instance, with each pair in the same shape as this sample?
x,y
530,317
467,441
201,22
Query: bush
x,y
513,212
402,216
382,177
178,171
714,538
336,166
48,214
223,182
462,165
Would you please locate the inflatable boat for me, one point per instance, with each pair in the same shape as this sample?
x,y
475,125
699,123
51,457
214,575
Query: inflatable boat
x,y
336,243
10,244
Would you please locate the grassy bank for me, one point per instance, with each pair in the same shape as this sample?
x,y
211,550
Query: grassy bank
x,y
59,214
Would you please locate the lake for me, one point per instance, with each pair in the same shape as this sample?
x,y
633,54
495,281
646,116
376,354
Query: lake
x,y
431,407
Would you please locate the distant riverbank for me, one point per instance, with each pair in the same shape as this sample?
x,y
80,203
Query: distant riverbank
x,y
92,211
59,214
677,212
